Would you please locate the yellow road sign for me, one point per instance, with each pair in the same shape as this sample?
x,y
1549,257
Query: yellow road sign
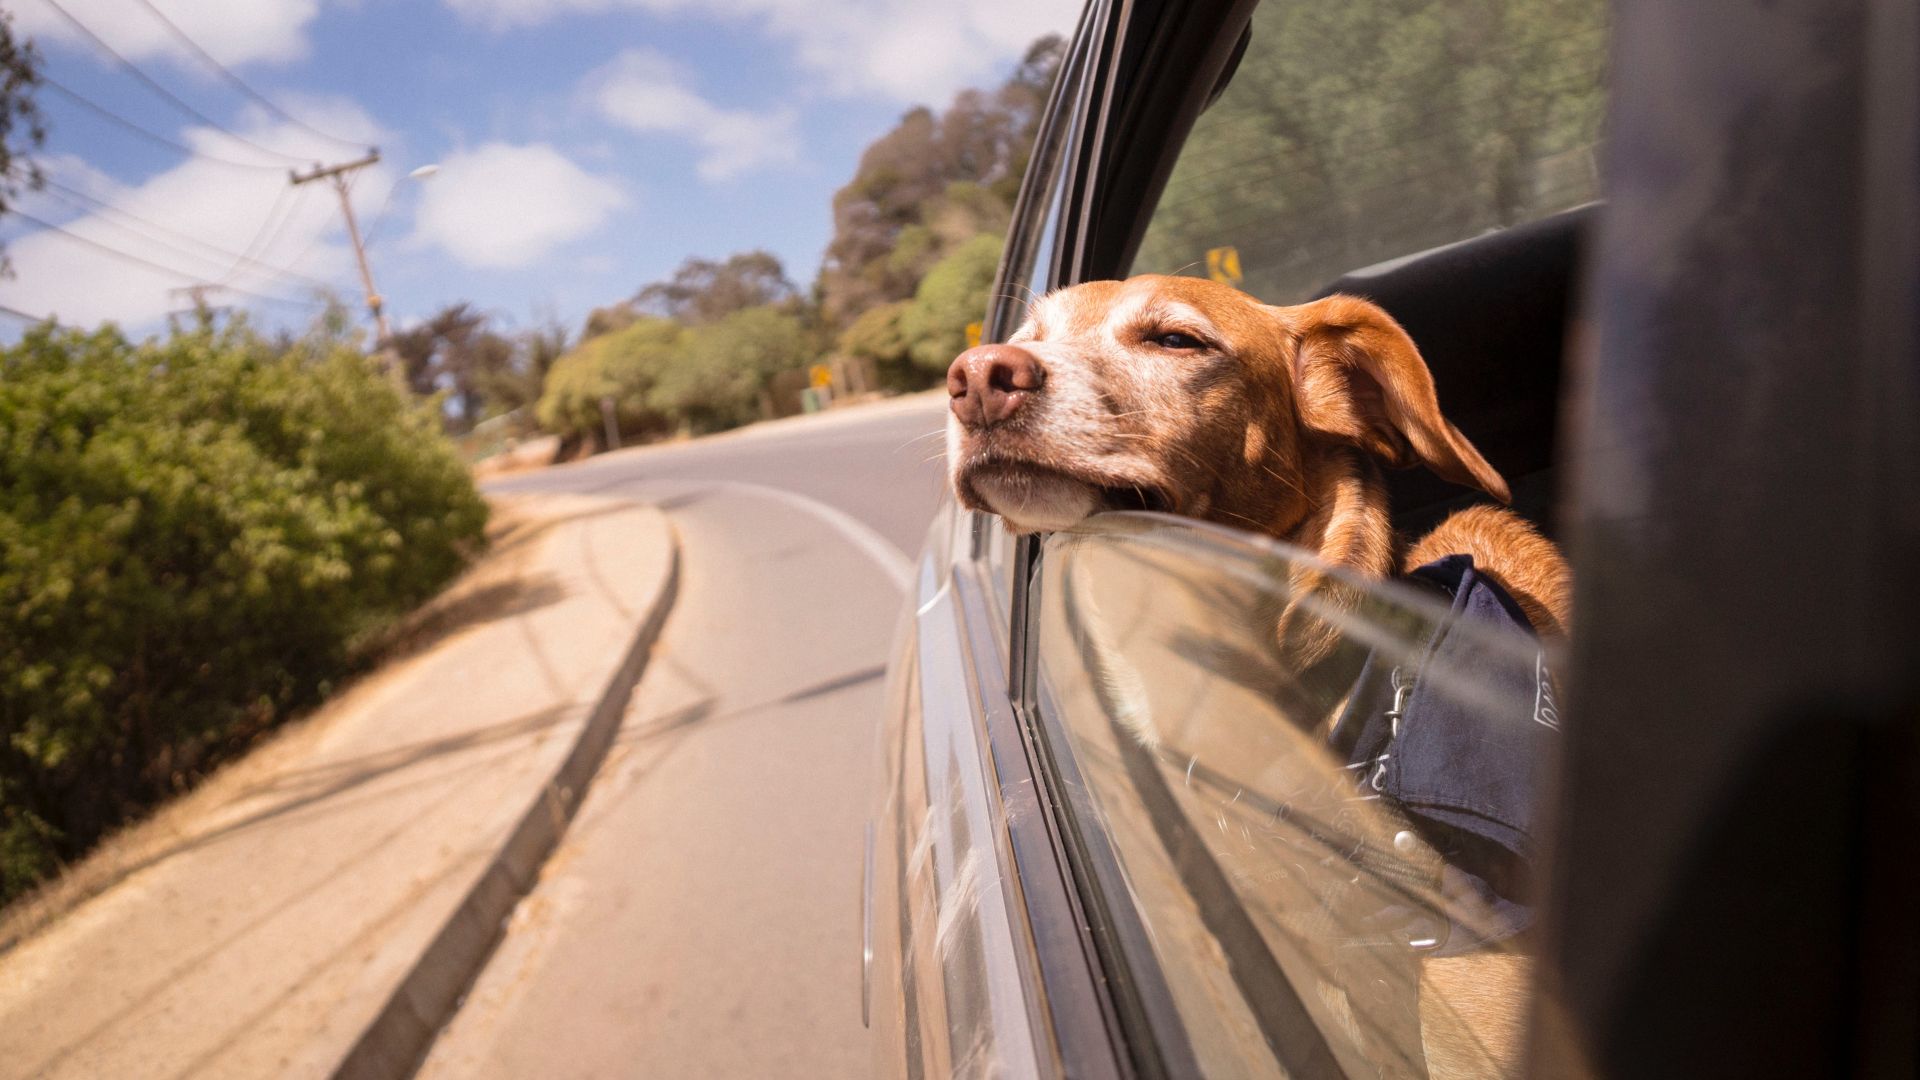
x,y
1223,265
973,334
820,375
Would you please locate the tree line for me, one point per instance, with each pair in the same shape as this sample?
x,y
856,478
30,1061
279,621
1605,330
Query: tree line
x,y
916,241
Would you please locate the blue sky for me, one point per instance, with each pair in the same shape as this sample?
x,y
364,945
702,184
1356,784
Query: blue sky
x,y
585,147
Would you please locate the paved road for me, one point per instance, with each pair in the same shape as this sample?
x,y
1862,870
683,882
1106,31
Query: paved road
x,y
702,918
882,464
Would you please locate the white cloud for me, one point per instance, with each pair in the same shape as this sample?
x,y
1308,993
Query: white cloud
x,y
909,51
504,206
644,91
235,32
505,14
225,209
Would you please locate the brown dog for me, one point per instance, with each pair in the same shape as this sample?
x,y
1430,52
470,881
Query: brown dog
x,y
1191,397
1181,395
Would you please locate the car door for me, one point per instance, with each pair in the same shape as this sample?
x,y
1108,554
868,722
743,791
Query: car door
x,y
1166,822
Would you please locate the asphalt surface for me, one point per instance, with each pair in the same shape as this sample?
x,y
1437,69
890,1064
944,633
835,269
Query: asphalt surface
x,y
702,917
882,464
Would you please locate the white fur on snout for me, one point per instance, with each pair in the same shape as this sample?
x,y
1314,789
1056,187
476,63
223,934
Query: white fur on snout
x,y
1036,502
1088,429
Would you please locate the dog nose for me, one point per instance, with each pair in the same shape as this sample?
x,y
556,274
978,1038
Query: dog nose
x,y
989,383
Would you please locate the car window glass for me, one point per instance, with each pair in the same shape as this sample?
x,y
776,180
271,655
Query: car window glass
x,y
1027,274
1331,857
997,550
1040,275
1353,134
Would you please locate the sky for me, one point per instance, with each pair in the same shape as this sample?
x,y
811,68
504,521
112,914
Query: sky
x,y
584,148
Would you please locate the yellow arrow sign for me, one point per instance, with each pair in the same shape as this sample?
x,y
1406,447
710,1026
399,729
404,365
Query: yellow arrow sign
x,y
973,333
820,375
1223,265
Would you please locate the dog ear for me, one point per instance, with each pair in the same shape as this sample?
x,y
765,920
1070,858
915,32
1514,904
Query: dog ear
x,y
1359,378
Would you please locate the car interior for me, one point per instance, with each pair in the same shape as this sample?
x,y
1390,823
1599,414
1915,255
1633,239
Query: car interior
x,y
1491,317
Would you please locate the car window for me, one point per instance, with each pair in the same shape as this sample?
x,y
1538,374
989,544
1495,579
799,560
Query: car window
x,y
1028,269
1320,892
996,549
1354,134
1331,857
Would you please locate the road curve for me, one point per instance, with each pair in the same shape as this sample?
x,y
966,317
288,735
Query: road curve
x,y
702,918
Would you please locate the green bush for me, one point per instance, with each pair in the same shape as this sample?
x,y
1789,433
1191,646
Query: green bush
x,y
623,364
715,382
662,375
195,535
953,294
876,337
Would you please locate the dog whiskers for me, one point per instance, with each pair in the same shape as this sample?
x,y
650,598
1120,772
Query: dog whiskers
x,y
1290,485
940,434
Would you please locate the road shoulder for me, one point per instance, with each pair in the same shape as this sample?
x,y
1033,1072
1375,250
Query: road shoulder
x,y
261,925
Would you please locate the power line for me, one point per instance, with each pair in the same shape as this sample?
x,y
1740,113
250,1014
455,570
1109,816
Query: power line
x,y
240,84
108,114
267,235
151,84
311,245
128,230
102,205
379,219
138,260
28,316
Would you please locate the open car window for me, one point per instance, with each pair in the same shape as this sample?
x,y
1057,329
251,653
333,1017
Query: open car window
x,y
1354,135
1328,847
1027,263
1321,862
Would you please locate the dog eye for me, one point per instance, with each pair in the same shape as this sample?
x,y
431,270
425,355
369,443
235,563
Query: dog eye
x,y
1178,341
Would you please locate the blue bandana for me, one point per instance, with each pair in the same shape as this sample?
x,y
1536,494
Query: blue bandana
x,y
1469,777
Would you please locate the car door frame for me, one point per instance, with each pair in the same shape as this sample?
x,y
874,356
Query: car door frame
x,y
1088,1014
1129,140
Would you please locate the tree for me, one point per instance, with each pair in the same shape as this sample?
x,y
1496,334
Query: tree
x,y
1355,133
22,128
928,186
623,366
197,534
605,320
953,294
716,382
876,335
483,372
517,384
704,291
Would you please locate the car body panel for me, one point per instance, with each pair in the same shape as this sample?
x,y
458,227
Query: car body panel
x,y
991,760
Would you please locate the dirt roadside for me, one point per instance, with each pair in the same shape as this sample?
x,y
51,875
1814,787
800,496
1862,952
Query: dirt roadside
x,y
492,587
260,924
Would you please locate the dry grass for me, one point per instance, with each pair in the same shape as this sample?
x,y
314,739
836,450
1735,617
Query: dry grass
x,y
532,454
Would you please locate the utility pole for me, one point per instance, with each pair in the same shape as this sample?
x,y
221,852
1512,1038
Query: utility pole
x,y
338,174
197,294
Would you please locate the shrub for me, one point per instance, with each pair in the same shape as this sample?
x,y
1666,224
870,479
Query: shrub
x,y
623,364
953,294
662,375
195,535
715,382
875,336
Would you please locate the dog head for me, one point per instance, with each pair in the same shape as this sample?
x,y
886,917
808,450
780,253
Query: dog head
x,y
1183,395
